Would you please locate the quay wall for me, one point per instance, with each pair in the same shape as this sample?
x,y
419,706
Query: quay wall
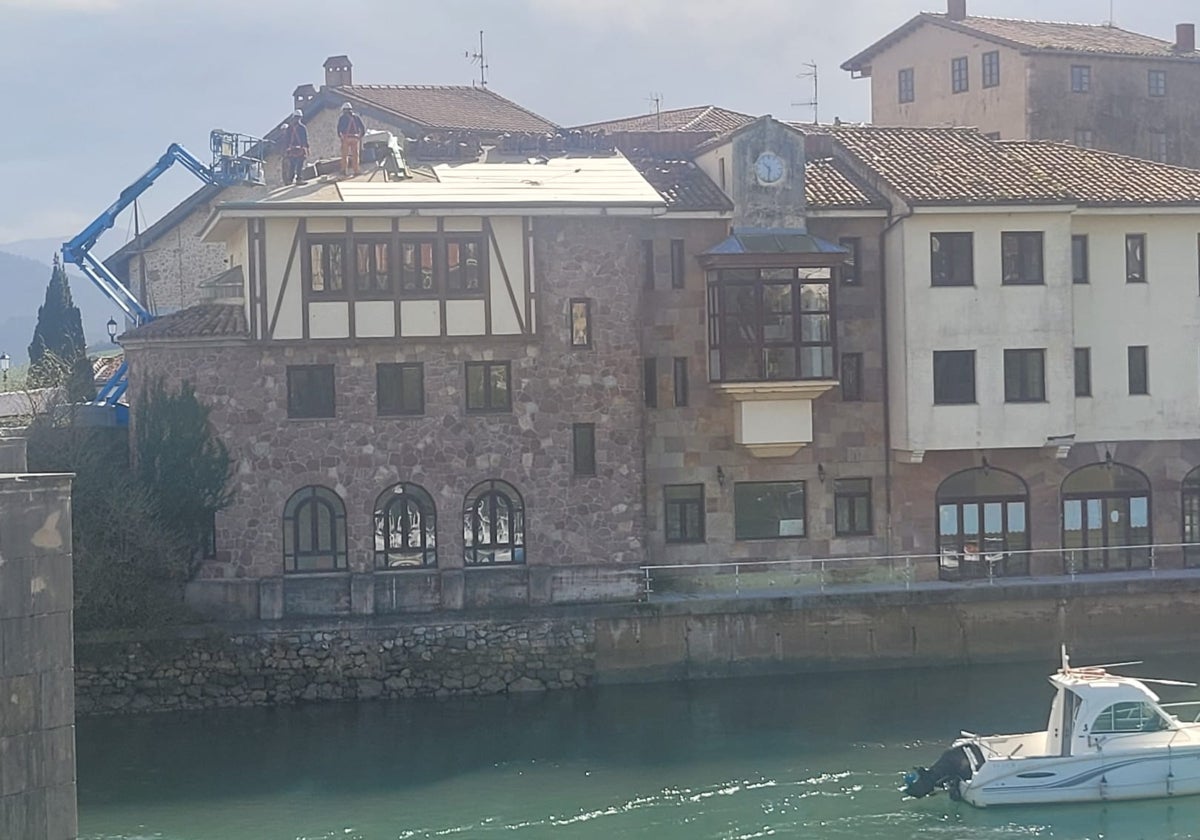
x,y
265,663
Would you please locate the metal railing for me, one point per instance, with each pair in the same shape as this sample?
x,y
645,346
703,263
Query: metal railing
x,y
891,571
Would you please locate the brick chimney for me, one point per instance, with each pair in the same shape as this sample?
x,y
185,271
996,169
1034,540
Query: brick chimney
x,y
956,9
1185,37
337,71
302,95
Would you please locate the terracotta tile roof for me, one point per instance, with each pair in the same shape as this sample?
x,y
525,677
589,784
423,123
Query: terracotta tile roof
x,y
703,118
1032,35
683,185
206,320
1107,179
947,166
830,185
449,107
103,367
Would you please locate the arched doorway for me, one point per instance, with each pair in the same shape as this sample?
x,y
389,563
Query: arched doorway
x,y
1191,517
983,521
1106,518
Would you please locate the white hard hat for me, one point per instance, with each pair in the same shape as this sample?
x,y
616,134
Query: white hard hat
x,y
297,113
346,106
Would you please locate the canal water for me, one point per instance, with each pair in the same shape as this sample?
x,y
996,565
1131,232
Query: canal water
x,y
807,757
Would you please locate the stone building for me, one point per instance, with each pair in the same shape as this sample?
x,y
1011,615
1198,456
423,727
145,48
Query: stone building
x,y
166,265
1097,86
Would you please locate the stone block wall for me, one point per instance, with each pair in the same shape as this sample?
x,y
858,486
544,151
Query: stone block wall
x,y
37,713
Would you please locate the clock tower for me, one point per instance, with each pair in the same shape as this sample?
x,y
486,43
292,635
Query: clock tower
x,y
763,166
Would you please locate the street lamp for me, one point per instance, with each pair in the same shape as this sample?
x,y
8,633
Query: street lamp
x,y
112,330
5,364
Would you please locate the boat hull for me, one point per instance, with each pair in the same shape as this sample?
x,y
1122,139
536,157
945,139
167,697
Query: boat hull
x,y
1140,774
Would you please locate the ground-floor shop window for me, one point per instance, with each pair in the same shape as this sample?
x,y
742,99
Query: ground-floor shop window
x,y
768,510
1106,518
983,520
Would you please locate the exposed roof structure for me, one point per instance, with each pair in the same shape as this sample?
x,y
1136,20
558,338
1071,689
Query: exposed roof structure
x,y
449,107
684,186
1097,178
948,166
703,118
1032,35
103,367
829,184
205,320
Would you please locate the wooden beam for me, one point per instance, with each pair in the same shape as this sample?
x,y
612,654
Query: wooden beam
x,y
512,295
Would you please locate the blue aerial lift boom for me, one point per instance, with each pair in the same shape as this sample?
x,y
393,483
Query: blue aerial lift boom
x,y
237,159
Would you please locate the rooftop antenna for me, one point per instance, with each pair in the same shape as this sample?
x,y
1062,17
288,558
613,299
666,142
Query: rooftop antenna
x,y
481,59
810,72
656,98
1112,14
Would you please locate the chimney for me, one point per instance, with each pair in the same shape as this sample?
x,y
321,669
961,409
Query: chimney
x,y
337,71
303,95
1185,37
956,9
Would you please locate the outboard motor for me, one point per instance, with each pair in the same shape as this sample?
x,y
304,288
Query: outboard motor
x,y
953,768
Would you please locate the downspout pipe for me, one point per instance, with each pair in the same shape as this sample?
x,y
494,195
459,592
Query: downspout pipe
x,y
893,220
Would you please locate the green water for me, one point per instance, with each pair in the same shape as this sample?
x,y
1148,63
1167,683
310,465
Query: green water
x,y
807,757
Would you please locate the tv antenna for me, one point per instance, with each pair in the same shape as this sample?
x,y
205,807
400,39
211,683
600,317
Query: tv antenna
x,y
810,72
1112,14
481,59
657,99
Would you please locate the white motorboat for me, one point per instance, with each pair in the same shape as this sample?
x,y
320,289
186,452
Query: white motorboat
x,y
1108,738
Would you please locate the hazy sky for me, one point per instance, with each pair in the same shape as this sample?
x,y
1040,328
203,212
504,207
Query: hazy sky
x,y
101,87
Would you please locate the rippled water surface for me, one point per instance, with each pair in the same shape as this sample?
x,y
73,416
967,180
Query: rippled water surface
x,y
811,757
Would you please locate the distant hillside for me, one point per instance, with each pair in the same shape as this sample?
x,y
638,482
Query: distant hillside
x,y
23,289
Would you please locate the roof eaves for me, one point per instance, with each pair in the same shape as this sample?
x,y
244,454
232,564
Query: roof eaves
x,y
863,59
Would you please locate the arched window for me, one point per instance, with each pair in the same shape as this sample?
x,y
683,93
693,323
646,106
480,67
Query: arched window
x,y
983,517
1191,517
405,528
493,524
314,531
1106,516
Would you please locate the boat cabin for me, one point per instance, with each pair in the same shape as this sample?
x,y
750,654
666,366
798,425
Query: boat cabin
x,y
1092,706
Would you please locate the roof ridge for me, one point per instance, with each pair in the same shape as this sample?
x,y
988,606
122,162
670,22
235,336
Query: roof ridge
x,y
1098,153
943,16
516,105
409,87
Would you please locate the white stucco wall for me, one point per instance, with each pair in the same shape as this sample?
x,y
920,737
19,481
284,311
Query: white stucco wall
x,y
987,318
1110,315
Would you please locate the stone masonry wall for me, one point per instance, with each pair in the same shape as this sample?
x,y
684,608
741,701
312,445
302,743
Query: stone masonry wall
x,y
37,714
362,662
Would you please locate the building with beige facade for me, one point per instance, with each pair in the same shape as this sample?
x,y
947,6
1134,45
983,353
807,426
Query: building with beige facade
x,y
1097,86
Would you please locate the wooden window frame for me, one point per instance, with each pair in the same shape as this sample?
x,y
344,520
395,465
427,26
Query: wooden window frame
x,y
907,85
1019,365
1017,249
945,239
842,496
490,406
960,74
990,69
681,506
1081,78
1156,83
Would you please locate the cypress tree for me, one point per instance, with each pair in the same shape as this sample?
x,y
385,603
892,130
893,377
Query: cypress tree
x,y
58,352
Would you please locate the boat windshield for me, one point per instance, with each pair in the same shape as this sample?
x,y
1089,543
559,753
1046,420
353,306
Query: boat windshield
x,y
1129,717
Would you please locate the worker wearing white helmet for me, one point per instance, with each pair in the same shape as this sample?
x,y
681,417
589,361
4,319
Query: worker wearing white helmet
x,y
350,130
295,148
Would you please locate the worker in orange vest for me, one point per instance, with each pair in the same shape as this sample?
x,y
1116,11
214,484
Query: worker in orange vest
x,y
350,129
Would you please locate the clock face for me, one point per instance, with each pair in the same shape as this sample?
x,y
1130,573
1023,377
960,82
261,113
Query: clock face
x,y
769,168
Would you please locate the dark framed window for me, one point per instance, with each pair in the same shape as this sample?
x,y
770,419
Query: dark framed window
x,y
405,528
852,507
1081,78
953,377
983,524
580,322
314,531
770,324
583,448
959,75
907,85
650,382
683,513
991,69
852,368
464,266
208,549
678,264
310,391
493,525
648,263
1079,259
1024,376
769,510
399,388
680,379
418,268
1135,258
1083,371
326,266
1191,518
1106,518
1139,370
851,270
952,259
1157,82
489,386
721,172
1021,258
372,266
1084,138
1158,146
